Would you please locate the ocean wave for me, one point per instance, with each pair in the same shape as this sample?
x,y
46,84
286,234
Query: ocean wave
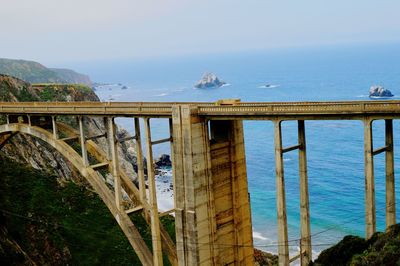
x,y
381,97
334,125
165,191
226,85
161,95
258,235
376,97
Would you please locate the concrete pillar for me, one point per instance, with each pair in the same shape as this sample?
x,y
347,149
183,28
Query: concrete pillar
x,y
370,212
306,255
211,193
390,187
139,161
192,186
154,217
230,190
283,249
83,142
179,188
55,130
114,161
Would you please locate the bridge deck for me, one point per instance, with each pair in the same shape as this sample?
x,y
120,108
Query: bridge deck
x,y
242,110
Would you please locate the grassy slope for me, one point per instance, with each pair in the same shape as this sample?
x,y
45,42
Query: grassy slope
x,y
68,222
29,71
34,72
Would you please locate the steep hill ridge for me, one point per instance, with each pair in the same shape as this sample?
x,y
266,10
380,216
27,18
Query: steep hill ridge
x,y
35,72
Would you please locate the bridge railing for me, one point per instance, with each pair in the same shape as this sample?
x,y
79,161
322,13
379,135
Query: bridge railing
x,y
164,109
201,149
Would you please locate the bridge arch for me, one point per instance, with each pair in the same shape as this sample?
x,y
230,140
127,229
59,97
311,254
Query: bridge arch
x,y
91,176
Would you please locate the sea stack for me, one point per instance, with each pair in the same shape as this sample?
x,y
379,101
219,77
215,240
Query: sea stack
x,y
379,91
209,80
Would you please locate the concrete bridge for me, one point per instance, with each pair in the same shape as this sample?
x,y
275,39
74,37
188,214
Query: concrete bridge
x,y
211,200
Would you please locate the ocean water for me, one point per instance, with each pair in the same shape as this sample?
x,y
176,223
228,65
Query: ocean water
x,y
334,148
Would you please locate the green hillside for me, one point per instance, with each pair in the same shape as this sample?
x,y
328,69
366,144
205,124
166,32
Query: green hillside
x,y
48,223
29,71
34,72
381,249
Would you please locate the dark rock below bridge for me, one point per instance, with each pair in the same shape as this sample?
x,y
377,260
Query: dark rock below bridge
x,y
163,161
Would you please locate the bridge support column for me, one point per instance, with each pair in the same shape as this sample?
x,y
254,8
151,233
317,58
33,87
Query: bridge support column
x,y
114,162
305,244
139,161
55,129
230,191
83,142
154,216
370,212
192,171
283,249
213,210
390,187
305,241
179,190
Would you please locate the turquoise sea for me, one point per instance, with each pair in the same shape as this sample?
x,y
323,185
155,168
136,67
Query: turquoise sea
x,y
335,148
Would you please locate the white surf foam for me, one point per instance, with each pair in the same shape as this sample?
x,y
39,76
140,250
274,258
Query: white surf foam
x,y
258,235
165,193
161,95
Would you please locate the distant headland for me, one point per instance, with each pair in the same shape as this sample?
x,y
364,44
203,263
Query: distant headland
x,y
34,72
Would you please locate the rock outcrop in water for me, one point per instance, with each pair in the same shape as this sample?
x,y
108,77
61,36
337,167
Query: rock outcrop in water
x,y
379,91
209,80
163,161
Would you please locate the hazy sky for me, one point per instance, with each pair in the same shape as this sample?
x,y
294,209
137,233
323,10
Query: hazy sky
x,y
52,31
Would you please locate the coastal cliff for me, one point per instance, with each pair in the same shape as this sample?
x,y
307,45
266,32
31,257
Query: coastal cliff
x,y
26,149
35,72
